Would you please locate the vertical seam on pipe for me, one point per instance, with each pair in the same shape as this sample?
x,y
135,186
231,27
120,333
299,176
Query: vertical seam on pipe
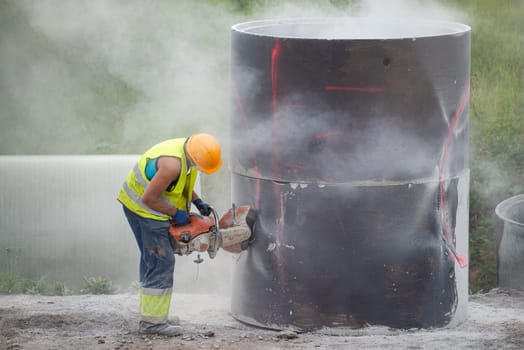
x,y
275,55
446,232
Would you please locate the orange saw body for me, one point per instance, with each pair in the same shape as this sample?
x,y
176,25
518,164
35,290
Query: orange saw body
x,y
206,233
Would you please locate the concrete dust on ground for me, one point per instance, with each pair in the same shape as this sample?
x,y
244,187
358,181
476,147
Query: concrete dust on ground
x,y
495,321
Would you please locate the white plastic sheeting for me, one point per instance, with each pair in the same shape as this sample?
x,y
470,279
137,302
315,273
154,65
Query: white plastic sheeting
x,y
60,219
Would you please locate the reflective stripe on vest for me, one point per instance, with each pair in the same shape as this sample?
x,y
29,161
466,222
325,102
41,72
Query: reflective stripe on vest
x,y
154,304
143,182
136,182
137,200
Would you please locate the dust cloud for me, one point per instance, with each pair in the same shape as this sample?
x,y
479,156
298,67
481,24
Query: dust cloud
x,y
112,77
371,9
118,76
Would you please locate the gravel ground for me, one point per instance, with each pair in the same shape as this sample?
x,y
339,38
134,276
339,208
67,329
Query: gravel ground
x,y
495,321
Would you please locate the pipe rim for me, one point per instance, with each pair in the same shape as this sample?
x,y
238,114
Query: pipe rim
x,y
448,27
503,206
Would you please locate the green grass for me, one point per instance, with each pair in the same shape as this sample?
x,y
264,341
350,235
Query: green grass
x,y
98,285
13,282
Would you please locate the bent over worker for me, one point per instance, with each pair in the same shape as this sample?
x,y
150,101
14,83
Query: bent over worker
x,y
158,190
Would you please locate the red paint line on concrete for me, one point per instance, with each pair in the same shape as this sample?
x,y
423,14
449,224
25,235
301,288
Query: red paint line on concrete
x,y
295,166
325,135
275,53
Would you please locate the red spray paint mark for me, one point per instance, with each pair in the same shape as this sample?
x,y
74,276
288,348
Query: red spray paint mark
x,y
446,236
463,262
462,104
275,55
246,126
325,135
353,88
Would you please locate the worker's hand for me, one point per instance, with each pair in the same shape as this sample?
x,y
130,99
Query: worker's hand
x,y
181,217
203,207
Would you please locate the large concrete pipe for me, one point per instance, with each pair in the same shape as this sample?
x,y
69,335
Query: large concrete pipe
x,y
350,138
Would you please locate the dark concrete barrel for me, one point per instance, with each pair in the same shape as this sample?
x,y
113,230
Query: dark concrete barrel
x,y
350,138
511,247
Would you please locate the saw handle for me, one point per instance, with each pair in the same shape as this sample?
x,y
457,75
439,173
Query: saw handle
x,y
203,207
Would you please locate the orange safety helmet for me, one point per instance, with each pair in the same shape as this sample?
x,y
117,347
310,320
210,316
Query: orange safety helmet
x,y
204,151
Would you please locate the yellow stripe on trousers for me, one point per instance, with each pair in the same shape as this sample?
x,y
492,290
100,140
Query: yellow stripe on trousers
x,y
154,304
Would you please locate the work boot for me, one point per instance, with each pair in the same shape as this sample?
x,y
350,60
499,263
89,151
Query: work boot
x,y
174,321
164,329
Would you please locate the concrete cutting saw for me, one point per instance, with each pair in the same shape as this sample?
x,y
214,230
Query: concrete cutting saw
x,y
233,232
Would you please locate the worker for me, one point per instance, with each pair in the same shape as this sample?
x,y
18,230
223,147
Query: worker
x,y
158,191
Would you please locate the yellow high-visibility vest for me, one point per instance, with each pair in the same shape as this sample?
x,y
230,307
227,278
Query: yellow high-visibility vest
x,y
180,197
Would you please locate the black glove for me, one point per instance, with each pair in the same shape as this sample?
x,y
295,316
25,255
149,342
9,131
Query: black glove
x,y
181,217
203,207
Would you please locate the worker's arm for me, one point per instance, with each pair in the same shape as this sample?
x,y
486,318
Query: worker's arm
x,y
195,196
168,170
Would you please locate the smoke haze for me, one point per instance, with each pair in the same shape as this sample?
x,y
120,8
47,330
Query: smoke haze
x,y
100,76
